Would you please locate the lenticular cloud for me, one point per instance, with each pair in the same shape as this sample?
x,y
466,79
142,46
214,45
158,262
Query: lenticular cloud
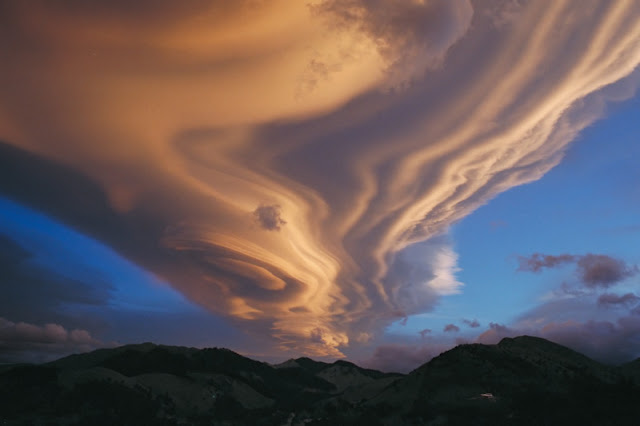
x,y
357,131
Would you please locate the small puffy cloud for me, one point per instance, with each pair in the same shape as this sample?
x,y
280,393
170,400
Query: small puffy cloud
x,y
594,270
451,328
268,216
33,343
471,323
597,270
615,300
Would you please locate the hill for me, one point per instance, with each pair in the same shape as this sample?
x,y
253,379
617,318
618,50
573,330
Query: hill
x,y
524,380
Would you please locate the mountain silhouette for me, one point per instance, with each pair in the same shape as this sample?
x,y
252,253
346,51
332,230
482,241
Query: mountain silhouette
x,y
523,380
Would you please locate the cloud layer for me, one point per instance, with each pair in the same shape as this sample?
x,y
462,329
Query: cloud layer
x,y
355,129
28,342
593,270
587,317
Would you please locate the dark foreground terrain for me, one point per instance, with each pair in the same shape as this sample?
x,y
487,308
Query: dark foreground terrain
x,y
520,381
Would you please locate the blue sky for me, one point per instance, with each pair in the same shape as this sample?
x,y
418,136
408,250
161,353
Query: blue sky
x,y
589,203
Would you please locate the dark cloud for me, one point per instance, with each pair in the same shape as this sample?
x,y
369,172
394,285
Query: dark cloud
x,y
537,261
62,192
269,217
597,270
317,335
25,342
407,273
615,300
12,256
566,289
74,199
424,333
451,328
471,323
29,292
594,270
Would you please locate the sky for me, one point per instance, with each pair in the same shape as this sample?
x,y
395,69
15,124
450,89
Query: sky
x,y
373,180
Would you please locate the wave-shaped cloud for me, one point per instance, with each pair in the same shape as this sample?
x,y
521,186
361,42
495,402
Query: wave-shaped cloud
x,y
359,131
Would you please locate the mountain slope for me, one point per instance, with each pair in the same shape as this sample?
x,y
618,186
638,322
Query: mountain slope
x,y
524,380
508,383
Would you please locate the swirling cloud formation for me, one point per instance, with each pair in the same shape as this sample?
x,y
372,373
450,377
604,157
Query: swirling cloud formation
x,y
359,130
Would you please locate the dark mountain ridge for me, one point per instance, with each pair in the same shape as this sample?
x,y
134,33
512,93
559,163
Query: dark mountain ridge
x,y
523,380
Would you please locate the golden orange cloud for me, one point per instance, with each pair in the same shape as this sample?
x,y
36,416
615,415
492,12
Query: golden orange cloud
x,y
363,128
